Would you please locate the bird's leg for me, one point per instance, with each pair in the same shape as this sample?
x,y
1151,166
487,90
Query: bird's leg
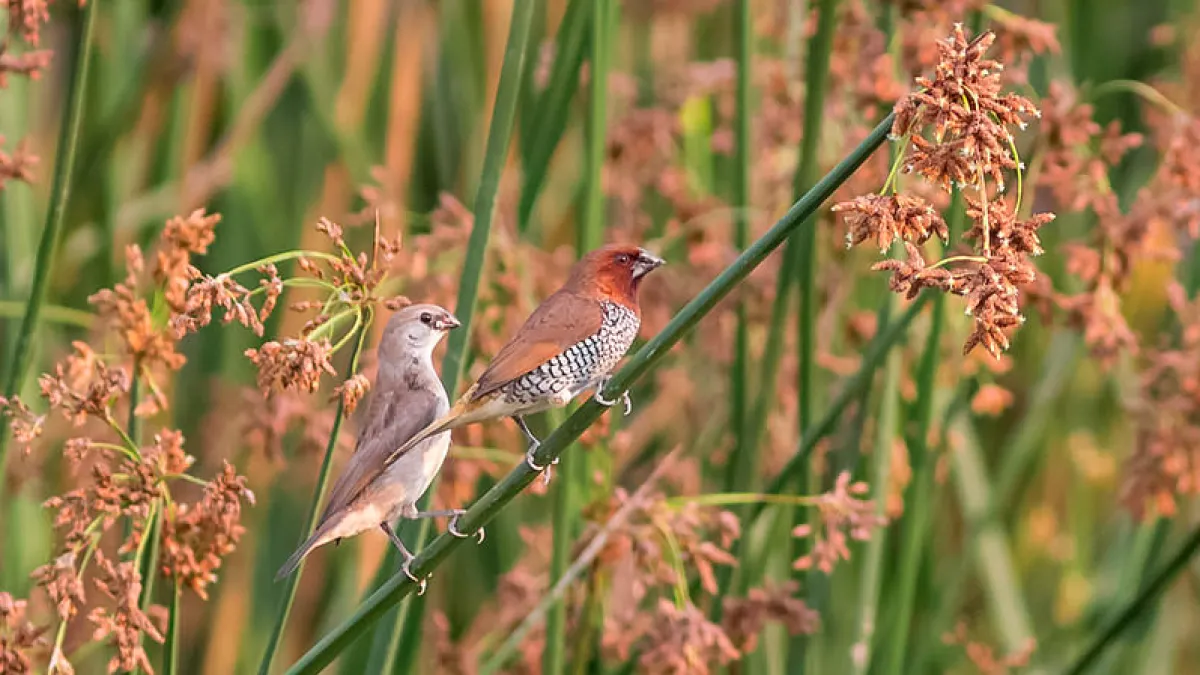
x,y
452,527
408,557
534,443
599,396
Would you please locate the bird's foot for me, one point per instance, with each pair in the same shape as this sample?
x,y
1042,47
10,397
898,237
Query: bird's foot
x,y
608,403
420,582
452,528
543,469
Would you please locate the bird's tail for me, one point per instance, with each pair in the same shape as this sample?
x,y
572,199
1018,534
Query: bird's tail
x,y
319,537
454,418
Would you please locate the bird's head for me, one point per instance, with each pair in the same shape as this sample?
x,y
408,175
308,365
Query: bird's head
x,y
615,271
416,328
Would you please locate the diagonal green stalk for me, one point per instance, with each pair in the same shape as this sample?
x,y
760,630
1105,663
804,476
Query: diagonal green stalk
x,y
1133,610
314,509
646,358
17,367
404,645
568,493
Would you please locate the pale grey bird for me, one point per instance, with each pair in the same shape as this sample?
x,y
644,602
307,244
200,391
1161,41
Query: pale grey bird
x,y
407,396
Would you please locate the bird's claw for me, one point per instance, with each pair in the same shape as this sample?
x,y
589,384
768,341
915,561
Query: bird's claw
x,y
420,582
543,469
452,528
608,403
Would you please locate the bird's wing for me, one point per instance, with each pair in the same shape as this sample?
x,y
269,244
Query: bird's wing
x,y
564,319
395,414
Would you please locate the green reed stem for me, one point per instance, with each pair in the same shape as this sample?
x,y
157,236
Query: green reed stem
x,y
872,571
314,509
50,313
743,467
405,644
569,491
17,368
553,105
918,499
170,664
816,75
646,358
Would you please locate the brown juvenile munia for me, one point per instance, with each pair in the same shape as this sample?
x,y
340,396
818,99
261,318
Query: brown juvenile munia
x,y
372,491
570,344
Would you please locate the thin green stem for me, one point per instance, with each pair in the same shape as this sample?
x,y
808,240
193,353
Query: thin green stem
x,y
18,365
735,498
646,358
314,510
253,265
872,571
51,314
170,664
744,463
919,498
406,641
1147,92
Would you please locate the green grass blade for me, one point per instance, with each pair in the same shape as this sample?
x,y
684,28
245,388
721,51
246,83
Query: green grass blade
x,y
646,358
314,510
18,366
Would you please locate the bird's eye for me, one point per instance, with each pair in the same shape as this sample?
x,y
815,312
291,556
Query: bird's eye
x,y
426,318
623,259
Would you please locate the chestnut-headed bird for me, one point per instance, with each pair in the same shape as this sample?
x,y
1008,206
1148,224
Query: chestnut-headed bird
x,y
570,344
373,491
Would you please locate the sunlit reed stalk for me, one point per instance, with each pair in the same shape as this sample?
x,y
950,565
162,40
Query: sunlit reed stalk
x,y
18,365
314,508
646,358
570,489
918,498
410,618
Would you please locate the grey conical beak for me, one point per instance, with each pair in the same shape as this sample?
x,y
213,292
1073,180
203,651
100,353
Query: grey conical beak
x,y
646,262
448,322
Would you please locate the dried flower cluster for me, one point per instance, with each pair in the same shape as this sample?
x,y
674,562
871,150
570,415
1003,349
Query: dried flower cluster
x,y
843,515
18,637
983,656
121,479
970,144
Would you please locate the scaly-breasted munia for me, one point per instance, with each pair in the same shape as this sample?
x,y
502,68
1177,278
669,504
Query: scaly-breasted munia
x,y
570,344
373,491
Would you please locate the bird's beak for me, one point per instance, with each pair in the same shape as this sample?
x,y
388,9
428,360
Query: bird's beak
x,y
646,263
447,322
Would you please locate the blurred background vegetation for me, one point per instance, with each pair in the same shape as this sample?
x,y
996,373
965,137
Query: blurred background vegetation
x,y
275,113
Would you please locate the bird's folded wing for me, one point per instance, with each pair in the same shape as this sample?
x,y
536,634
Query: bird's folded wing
x,y
393,417
564,319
